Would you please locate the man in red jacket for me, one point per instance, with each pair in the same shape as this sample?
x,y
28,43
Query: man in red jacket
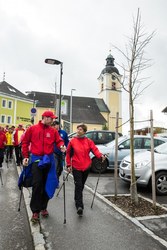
x,y
79,162
3,141
42,138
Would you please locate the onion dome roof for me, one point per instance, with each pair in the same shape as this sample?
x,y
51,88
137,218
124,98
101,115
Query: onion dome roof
x,y
110,67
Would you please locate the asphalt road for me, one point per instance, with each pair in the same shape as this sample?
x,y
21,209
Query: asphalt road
x,y
106,186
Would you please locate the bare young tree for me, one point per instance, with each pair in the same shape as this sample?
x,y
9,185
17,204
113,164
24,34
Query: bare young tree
x,y
133,82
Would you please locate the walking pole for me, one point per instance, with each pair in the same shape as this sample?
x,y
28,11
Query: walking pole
x,y
21,194
1,178
66,178
63,159
97,184
7,157
96,188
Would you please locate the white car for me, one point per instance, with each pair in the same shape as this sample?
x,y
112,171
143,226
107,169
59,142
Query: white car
x,y
143,171
141,143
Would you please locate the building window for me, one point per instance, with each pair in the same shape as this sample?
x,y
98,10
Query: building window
x,y
3,118
102,86
9,119
10,104
3,103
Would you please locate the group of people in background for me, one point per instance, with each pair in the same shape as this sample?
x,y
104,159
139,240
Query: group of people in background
x,y
10,141
41,148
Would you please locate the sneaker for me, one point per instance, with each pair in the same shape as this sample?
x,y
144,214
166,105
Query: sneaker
x,y
35,217
80,211
44,213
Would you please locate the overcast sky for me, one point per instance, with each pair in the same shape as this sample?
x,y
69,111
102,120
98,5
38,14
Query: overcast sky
x,y
80,33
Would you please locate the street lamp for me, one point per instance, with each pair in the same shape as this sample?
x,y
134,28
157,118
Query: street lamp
x,y
53,61
71,110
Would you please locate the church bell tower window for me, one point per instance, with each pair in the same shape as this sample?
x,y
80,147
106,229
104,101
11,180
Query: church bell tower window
x,y
113,86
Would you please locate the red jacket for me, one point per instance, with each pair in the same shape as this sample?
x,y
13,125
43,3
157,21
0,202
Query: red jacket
x,y
16,135
77,154
3,139
42,139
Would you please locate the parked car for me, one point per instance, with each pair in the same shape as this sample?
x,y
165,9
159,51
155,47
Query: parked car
x,y
99,136
141,143
143,170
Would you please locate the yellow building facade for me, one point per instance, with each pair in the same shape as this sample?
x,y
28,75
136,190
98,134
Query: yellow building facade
x,y
15,108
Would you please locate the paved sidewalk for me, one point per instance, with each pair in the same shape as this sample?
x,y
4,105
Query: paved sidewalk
x,y
14,226
102,227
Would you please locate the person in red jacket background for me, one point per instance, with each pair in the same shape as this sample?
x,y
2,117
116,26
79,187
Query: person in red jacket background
x,y
3,141
42,138
17,143
78,162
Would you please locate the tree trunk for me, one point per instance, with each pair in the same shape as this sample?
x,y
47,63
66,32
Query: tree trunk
x,y
152,160
116,157
133,186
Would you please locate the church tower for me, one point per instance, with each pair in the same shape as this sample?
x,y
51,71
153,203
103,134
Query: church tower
x,y
110,92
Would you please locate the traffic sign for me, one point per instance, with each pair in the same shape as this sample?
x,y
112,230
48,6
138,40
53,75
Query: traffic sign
x,y
33,112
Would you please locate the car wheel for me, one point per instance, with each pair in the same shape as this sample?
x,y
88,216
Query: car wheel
x,y
161,183
98,165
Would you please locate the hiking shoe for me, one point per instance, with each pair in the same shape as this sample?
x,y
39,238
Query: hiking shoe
x,y
80,211
35,217
44,213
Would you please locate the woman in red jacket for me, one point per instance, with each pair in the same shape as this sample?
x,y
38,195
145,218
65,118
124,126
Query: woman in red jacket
x,y
79,162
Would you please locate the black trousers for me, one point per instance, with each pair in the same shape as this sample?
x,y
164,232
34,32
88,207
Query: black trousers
x,y
9,152
39,199
80,178
1,156
18,153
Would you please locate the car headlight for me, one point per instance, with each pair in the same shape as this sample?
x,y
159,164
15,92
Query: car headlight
x,y
141,164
